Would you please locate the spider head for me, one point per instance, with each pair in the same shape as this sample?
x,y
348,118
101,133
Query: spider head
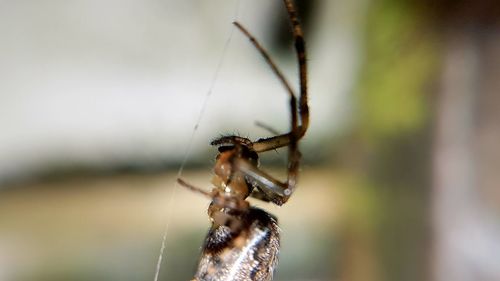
x,y
232,147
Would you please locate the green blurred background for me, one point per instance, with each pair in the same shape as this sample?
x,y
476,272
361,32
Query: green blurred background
x,y
98,102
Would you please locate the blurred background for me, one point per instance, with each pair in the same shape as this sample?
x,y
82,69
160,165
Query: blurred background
x,y
98,102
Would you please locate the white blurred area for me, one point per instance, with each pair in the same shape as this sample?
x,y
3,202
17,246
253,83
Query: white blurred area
x,y
99,83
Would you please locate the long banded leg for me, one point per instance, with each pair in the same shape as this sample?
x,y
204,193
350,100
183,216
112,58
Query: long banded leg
x,y
296,133
290,139
285,139
282,140
300,49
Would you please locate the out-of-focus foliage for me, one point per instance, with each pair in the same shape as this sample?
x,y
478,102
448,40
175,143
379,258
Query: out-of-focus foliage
x,y
399,64
388,209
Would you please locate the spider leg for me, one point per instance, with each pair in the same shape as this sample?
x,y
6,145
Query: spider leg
x,y
282,140
267,127
273,189
300,49
194,188
280,192
296,132
276,70
266,144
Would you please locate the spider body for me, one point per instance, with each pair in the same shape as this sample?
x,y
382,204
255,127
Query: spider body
x,y
243,241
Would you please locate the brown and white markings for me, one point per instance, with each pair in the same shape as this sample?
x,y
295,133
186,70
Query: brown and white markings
x,y
243,242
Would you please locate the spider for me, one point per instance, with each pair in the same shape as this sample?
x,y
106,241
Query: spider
x,y
243,241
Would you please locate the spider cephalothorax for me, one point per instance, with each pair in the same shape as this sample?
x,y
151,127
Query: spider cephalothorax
x,y
228,178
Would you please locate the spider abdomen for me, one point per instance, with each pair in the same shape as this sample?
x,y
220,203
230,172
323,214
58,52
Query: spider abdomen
x,y
247,254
